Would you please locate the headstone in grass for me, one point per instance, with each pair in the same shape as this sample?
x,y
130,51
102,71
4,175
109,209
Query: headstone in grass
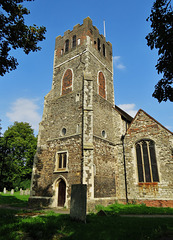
x,y
21,192
12,191
4,191
78,202
28,192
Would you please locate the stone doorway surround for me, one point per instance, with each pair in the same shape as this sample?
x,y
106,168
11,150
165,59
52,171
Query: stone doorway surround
x,y
60,192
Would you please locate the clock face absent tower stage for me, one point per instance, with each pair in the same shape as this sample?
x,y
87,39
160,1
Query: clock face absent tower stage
x,y
80,136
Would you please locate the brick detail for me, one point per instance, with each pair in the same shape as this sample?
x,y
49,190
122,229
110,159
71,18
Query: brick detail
x,y
156,203
67,82
102,85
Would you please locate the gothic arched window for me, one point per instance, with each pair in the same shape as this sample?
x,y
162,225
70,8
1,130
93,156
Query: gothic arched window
x,y
146,161
102,85
67,82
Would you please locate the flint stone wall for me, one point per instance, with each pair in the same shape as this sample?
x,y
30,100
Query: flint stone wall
x,y
145,127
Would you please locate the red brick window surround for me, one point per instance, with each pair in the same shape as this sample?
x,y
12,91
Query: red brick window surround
x,y
67,82
102,85
146,161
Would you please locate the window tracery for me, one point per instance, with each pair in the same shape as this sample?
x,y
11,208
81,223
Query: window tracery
x,y
146,161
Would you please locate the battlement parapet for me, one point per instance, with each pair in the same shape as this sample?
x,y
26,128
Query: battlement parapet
x,y
78,37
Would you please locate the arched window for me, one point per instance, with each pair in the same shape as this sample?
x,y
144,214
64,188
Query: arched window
x,y
146,161
67,45
67,82
102,85
74,41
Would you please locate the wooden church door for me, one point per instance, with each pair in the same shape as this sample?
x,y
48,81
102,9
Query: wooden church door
x,y
61,193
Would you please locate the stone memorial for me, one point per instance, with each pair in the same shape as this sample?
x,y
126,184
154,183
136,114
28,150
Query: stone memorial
x,y
4,191
78,202
12,191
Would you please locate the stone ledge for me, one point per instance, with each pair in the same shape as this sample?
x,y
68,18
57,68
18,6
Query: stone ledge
x,y
106,140
60,138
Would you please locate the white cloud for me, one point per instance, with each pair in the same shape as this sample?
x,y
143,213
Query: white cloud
x,y
129,108
118,63
25,110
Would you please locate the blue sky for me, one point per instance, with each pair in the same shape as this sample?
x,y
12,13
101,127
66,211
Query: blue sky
x,y
23,90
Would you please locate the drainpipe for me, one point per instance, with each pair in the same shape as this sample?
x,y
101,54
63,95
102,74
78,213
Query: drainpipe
x,y
125,173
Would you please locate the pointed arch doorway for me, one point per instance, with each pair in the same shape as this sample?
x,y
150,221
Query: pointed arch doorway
x,y
61,193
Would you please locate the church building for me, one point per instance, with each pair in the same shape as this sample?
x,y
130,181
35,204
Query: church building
x,y
84,138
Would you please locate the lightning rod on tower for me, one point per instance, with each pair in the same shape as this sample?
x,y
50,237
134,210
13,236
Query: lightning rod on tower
x,y
104,28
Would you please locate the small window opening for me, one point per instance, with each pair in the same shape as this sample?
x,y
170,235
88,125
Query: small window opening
x,y
103,133
94,42
104,53
74,41
64,131
62,51
98,44
67,45
77,97
60,161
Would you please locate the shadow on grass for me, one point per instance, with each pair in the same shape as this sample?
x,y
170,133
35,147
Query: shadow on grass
x,y
56,226
15,200
134,209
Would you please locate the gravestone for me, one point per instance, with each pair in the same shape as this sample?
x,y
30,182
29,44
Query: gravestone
x,y
21,192
28,192
78,202
12,191
4,191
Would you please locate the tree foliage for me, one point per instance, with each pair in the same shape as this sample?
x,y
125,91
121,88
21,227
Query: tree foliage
x,y
14,33
161,38
17,150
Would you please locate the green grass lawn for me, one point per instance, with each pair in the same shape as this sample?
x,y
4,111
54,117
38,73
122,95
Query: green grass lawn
x,y
15,200
134,209
61,227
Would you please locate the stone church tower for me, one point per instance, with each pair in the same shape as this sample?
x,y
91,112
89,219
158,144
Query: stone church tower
x,y
76,132
80,135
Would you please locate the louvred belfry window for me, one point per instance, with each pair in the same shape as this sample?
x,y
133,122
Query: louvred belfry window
x,y
146,161
74,41
102,85
67,82
67,45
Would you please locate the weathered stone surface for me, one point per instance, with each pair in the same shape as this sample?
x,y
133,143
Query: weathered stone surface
x,y
81,122
145,127
78,202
